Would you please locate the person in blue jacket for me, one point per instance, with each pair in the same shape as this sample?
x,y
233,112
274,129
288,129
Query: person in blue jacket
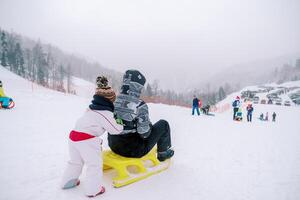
x,y
236,105
195,105
249,112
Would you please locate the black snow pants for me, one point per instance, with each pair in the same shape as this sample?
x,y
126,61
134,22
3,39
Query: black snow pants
x,y
132,145
234,112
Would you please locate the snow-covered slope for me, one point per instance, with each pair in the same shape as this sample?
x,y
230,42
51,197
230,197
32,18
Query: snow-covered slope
x,y
82,87
215,157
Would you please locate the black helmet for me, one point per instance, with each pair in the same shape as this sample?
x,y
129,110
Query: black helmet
x,y
0,83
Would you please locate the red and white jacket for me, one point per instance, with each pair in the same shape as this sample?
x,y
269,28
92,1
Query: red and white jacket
x,y
94,123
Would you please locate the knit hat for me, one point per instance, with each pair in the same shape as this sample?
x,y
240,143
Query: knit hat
x,y
104,90
102,82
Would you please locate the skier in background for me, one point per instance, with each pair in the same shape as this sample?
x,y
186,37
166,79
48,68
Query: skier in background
x,y
261,117
273,116
205,109
195,105
267,117
85,144
249,112
236,105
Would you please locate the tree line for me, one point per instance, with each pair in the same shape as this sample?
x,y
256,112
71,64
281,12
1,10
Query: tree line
x,y
152,93
286,72
34,64
50,67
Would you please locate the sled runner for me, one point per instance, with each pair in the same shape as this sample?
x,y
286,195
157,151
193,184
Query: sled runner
x,y
144,167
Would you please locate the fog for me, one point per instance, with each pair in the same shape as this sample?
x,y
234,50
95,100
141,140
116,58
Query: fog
x,y
176,42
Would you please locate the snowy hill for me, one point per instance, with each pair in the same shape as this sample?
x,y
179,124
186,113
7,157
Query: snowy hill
x,y
82,87
215,157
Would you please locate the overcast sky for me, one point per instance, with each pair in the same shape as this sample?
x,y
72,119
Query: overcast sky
x,y
166,39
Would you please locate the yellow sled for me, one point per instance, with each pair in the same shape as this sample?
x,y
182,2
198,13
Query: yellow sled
x,y
122,164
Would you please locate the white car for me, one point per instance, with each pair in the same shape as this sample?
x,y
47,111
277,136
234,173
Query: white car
x,y
256,99
287,103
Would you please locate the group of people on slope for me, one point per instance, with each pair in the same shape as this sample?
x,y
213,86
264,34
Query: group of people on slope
x,y
197,104
237,111
266,117
130,132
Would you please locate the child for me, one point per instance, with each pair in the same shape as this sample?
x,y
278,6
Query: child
x,y
85,142
267,117
261,117
249,112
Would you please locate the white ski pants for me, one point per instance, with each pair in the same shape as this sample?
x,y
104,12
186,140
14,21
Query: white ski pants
x,y
88,152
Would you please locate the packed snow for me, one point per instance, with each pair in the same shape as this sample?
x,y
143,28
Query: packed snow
x,y
215,157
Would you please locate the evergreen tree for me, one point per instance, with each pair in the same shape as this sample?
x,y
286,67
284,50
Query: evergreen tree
x,y
53,70
155,87
148,91
297,63
221,94
29,67
61,78
11,54
212,99
227,88
4,50
19,62
69,78
40,65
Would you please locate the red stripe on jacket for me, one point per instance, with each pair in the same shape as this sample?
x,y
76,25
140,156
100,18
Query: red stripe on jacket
x,y
79,136
107,120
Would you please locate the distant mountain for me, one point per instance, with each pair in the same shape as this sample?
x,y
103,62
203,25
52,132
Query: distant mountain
x,y
258,72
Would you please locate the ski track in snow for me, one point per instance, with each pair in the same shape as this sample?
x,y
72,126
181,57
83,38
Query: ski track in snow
x,y
215,157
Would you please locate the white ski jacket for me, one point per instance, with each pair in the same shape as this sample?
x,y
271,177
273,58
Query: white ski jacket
x,y
97,122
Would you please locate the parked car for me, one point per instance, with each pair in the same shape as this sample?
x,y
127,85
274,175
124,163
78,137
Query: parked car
x,y
277,99
263,101
296,101
256,99
295,97
287,103
272,95
278,103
